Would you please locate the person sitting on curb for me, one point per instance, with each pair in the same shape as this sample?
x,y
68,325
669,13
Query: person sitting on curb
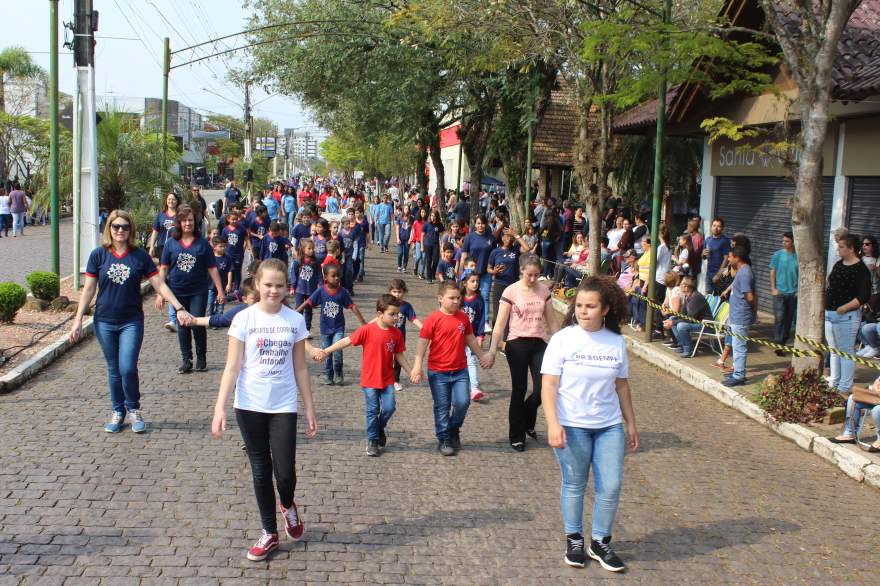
x,y
853,412
695,306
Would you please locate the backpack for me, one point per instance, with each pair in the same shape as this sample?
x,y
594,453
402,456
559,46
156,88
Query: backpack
x,y
217,208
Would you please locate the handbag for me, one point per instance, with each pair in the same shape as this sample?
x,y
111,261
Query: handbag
x,y
866,395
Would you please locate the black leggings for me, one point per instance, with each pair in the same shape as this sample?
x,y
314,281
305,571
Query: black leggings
x,y
432,258
266,435
524,355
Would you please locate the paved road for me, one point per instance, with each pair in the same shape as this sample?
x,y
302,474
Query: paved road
x,y
711,498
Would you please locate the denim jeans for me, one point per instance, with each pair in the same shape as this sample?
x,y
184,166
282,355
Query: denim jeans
x,y
784,312
869,335
214,308
451,394
599,449
5,223
360,264
402,255
682,332
332,363
307,310
348,274
472,368
196,306
852,405
841,332
379,406
18,223
384,234
485,289
548,252
121,344
418,259
740,350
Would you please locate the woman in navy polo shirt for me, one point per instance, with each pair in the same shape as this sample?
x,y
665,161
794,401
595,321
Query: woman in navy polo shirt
x,y
188,262
116,269
478,245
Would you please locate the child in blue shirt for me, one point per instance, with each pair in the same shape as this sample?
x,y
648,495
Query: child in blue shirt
x,y
474,307
404,233
224,267
275,245
235,234
333,299
446,266
305,278
397,288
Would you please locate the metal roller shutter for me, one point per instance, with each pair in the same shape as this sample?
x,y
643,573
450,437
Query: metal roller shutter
x,y
864,206
759,207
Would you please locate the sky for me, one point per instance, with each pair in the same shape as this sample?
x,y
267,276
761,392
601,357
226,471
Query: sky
x,y
128,53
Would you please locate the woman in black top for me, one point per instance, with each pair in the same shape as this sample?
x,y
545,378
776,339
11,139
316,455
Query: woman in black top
x,y
849,287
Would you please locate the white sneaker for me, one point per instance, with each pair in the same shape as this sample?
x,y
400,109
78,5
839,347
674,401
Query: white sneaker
x,y
398,387
171,326
869,352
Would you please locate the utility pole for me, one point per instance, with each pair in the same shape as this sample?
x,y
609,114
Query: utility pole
x,y
658,186
85,143
166,70
53,130
248,132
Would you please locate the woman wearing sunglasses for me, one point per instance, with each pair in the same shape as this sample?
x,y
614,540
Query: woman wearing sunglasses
x,y
115,269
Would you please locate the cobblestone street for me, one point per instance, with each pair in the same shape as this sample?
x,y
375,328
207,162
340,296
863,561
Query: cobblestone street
x,y
710,498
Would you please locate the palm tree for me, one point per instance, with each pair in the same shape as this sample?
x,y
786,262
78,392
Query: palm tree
x,y
14,62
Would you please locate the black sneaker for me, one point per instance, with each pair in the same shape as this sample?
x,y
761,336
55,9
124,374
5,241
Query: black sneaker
x,y
185,367
670,343
602,553
455,440
383,439
338,379
518,446
372,448
532,434
445,448
575,555
201,365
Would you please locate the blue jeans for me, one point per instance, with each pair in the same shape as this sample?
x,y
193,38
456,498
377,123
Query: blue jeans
x,y
332,363
121,344
402,256
451,394
18,223
5,224
638,308
196,306
384,234
603,450
379,406
172,314
852,405
348,274
841,332
740,350
548,252
682,331
784,312
869,334
418,259
213,307
360,263
472,368
485,289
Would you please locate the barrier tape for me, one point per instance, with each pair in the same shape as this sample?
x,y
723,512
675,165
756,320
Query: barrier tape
x,y
760,341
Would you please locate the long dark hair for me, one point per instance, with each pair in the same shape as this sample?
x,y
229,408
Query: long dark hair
x,y
610,296
182,212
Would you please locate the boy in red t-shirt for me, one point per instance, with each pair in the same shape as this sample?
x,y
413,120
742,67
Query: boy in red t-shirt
x,y
333,254
383,346
448,330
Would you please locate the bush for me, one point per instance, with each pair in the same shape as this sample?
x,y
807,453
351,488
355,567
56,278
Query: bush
x,y
12,298
44,285
797,398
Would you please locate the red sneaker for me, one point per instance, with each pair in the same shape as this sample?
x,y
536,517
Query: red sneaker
x,y
260,550
293,525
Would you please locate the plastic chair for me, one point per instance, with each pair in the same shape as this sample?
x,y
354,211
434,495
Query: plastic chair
x,y
714,329
865,400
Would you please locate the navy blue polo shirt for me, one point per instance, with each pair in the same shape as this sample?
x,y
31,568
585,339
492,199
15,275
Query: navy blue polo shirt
x,y
189,265
478,247
407,313
430,235
404,231
304,276
119,283
332,306
510,259
235,241
162,226
257,227
301,231
275,248
446,270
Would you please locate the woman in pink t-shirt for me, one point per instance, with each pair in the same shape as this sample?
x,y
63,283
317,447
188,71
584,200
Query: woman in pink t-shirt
x,y
525,311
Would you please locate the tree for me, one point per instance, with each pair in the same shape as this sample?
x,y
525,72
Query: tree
x,y
14,62
809,34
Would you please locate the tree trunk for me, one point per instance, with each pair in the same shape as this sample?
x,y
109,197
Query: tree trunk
x,y
439,170
421,174
583,171
4,164
476,177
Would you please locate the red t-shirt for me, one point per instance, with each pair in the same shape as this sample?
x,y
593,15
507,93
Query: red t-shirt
x,y
329,260
380,346
417,231
447,335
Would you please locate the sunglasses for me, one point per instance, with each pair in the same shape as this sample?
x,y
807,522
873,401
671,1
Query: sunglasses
x,y
120,227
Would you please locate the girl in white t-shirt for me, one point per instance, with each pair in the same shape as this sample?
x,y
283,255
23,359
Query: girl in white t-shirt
x,y
586,398
266,365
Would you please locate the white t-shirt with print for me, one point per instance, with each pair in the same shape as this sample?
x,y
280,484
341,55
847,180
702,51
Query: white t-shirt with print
x,y
266,382
588,364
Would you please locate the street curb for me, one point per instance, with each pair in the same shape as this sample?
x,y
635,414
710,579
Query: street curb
x,y
33,365
851,463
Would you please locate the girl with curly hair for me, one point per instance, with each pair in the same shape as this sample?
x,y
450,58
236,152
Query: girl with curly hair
x,y
586,399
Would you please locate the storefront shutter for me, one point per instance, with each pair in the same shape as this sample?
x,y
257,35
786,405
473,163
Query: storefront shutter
x,y
864,206
759,208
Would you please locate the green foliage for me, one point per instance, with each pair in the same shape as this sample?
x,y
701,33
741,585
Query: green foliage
x,y
797,398
634,171
726,128
383,157
44,285
262,171
12,298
